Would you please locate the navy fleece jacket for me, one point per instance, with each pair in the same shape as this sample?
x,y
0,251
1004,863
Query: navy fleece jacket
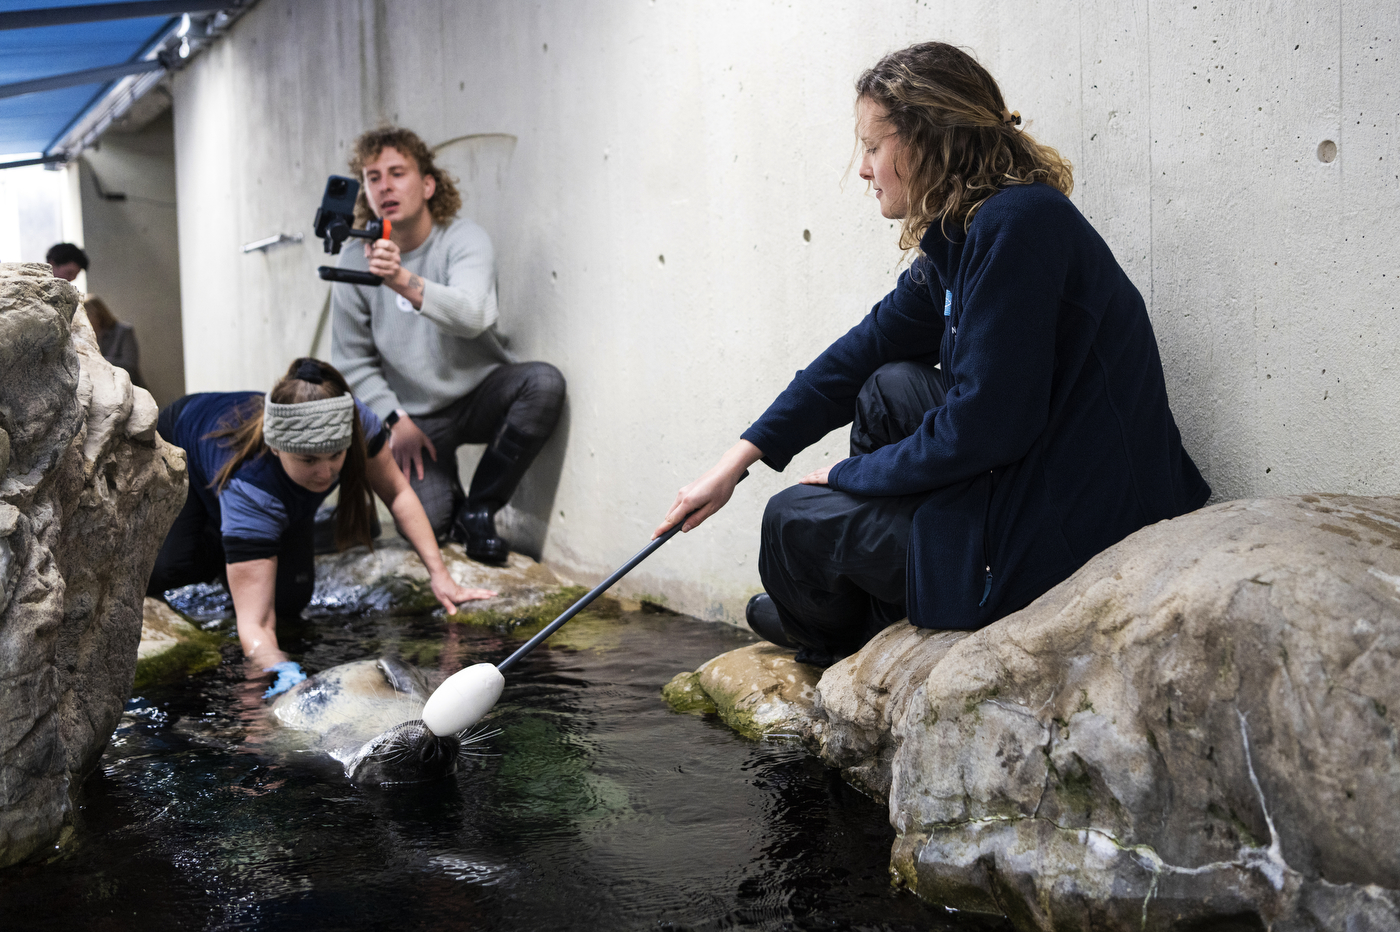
x,y
1055,440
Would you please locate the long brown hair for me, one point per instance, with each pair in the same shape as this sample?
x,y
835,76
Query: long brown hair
x,y
446,200
307,379
99,314
960,148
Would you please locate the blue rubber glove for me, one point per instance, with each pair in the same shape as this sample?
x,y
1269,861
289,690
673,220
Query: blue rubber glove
x,y
288,675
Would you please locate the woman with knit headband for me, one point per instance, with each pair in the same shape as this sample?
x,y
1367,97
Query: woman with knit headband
x,y
1007,405
259,468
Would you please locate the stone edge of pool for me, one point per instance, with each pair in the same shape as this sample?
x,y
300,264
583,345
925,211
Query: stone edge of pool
x,y
1198,724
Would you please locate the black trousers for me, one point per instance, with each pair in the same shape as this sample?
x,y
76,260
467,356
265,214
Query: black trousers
x,y
194,549
834,563
513,411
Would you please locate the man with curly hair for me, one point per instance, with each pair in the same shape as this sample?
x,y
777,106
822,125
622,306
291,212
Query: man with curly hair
x,y
423,351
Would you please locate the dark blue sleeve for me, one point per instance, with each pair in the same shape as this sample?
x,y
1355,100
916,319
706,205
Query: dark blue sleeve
x,y
905,324
1002,363
375,431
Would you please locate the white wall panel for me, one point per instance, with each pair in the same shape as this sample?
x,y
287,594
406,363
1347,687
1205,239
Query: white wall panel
x,y
714,134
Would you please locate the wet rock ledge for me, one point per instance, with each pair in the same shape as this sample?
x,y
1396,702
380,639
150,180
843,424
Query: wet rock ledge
x,y
1198,727
185,637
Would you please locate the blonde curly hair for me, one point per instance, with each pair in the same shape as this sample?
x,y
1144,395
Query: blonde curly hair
x,y
445,202
961,145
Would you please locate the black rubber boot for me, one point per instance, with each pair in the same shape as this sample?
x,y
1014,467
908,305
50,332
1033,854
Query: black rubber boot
x,y
499,472
762,616
475,529
502,467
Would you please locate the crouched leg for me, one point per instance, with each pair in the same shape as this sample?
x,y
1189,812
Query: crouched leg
x,y
834,565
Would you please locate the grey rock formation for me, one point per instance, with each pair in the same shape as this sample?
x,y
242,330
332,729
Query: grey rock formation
x,y
1199,727
862,698
1200,722
87,492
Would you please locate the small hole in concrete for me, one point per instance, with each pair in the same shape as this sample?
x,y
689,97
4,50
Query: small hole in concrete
x,y
1326,151
661,259
806,236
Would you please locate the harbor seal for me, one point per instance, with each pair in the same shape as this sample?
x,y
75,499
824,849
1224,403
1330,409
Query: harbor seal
x,y
368,716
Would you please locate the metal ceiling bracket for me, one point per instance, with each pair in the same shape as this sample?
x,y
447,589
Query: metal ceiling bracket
x,y
78,78
102,12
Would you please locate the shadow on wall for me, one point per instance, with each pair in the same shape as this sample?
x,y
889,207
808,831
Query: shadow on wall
x,y
481,163
525,521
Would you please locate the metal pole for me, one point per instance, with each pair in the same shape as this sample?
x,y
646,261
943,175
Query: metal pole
x,y
597,590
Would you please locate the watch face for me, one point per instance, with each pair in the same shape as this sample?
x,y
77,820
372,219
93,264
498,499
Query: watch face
x,y
405,305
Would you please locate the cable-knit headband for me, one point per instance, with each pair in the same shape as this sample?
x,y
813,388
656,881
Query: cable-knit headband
x,y
322,426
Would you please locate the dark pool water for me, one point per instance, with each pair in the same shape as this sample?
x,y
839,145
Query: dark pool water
x,y
600,809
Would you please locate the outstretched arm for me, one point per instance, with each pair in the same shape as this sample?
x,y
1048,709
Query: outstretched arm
x,y
712,490
388,482
253,585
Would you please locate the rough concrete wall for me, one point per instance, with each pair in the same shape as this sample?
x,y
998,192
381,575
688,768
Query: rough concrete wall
x,y
133,245
716,135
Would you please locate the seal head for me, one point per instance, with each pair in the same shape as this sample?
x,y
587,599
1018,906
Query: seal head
x,y
368,716
406,753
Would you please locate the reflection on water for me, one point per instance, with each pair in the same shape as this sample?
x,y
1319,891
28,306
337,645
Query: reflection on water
x,y
598,809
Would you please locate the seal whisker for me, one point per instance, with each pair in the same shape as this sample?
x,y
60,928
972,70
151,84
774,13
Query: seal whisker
x,y
477,737
464,753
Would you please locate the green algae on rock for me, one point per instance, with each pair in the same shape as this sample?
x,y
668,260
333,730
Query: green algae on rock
x,y
171,648
685,694
761,691
528,612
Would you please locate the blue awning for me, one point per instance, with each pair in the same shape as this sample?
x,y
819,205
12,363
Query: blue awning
x,y
42,47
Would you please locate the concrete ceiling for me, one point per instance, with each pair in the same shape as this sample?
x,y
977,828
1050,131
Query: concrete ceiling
x,y
69,68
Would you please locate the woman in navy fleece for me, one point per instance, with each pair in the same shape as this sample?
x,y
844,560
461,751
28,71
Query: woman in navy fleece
x,y
1009,413
259,468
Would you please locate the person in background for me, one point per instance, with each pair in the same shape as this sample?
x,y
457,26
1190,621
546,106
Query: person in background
x,y
259,467
1008,407
116,340
67,260
422,349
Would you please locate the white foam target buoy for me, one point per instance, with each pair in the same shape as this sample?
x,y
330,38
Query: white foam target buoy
x,y
466,696
463,699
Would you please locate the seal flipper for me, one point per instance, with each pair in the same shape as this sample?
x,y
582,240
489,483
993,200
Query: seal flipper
x,y
404,678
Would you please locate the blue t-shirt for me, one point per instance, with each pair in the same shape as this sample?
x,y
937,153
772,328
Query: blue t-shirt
x,y
259,502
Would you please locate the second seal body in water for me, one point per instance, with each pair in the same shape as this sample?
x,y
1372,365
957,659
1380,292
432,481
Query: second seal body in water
x,y
368,716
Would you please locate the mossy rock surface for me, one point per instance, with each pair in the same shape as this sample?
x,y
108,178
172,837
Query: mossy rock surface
x,y
171,648
527,612
758,690
685,694
392,579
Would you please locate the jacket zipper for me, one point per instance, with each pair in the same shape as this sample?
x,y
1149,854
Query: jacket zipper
x,y
986,552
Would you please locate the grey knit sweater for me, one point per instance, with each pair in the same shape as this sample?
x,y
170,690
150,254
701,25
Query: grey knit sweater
x,y
421,361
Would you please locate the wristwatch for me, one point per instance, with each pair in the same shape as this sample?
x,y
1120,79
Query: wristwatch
x,y
394,416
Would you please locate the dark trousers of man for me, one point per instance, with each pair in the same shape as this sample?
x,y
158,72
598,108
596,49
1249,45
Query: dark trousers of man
x,y
194,547
834,562
513,411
